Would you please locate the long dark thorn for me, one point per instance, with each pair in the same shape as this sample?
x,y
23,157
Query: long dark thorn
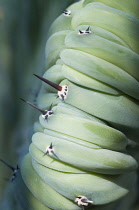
x,y
45,153
57,87
43,112
50,108
51,146
80,32
17,167
12,178
55,155
88,29
62,97
12,168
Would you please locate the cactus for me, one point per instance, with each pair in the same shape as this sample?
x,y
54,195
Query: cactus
x,y
79,156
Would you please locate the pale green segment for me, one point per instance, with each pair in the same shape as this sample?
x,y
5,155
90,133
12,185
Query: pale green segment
x,y
70,110
24,196
38,127
88,82
120,23
87,130
101,70
120,112
35,203
59,72
41,190
63,108
50,162
98,188
129,6
71,139
102,33
44,100
105,49
55,75
62,23
59,61
54,46
76,5
96,160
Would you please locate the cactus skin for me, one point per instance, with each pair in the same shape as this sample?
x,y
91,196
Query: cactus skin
x,y
90,130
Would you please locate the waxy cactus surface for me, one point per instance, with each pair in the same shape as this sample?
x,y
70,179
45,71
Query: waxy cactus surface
x,y
78,158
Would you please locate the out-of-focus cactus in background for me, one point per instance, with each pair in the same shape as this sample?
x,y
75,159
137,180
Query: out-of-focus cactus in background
x,y
23,34
24,30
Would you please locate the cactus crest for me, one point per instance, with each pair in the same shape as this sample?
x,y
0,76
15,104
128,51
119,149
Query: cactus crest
x,y
80,157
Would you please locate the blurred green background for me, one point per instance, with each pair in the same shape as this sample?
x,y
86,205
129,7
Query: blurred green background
x,y
23,33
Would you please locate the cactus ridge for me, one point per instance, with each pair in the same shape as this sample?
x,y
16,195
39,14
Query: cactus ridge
x,y
79,158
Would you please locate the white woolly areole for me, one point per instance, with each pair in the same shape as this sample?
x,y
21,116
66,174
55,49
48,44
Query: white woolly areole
x,y
63,93
67,13
48,114
49,150
81,200
84,32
